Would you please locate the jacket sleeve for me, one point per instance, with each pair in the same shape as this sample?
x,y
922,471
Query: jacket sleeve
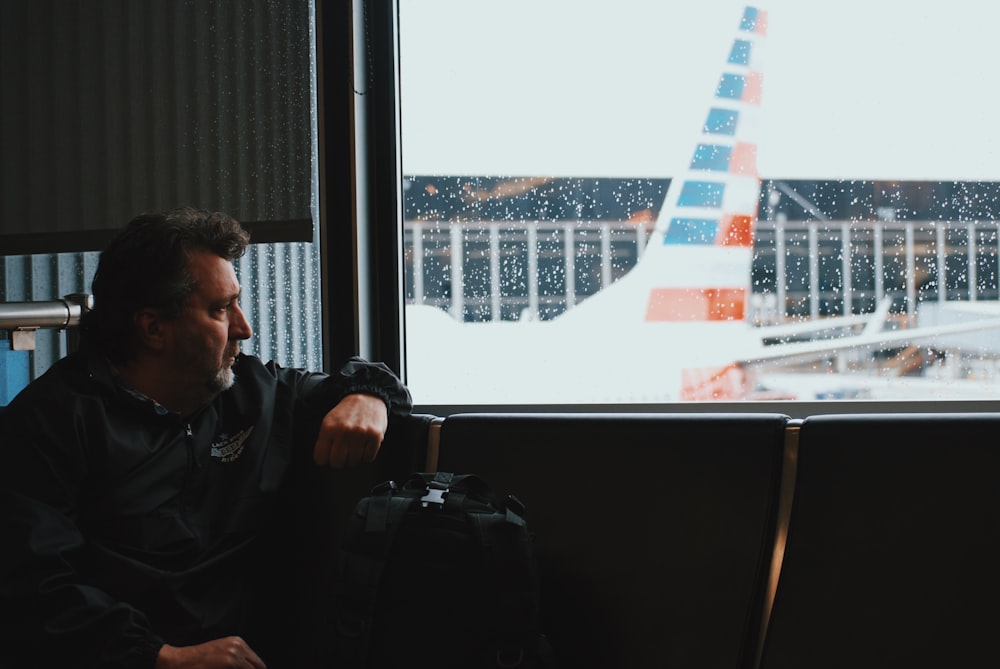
x,y
375,378
48,615
318,392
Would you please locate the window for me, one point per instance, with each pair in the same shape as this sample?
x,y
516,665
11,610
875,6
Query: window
x,y
580,181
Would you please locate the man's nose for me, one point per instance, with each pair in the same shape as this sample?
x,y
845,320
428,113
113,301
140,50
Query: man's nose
x,y
239,327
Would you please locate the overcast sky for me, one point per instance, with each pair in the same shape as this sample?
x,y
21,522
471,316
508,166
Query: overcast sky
x,y
860,89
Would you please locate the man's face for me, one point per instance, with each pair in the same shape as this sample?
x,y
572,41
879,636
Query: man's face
x,y
205,338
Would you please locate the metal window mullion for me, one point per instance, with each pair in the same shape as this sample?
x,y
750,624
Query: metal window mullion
x,y
457,267
814,269
780,262
532,231
970,251
569,272
878,243
417,239
848,289
495,312
606,254
942,262
911,271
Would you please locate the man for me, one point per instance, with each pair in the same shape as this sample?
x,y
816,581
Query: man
x,y
143,476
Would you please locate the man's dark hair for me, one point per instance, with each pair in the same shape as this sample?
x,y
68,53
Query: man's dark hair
x,y
146,267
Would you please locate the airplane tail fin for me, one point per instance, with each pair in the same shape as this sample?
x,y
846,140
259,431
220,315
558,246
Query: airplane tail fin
x,y
696,266
703,240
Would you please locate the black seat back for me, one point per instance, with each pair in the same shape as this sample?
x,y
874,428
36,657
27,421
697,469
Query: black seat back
x,y
893,550
654,531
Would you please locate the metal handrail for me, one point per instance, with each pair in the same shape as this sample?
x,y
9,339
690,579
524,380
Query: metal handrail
x,y
62,313
22,319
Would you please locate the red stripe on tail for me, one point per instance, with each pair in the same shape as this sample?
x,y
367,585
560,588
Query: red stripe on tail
x,y
752,90
735,230
743,160
696,304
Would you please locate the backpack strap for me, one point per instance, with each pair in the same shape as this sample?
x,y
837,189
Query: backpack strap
x,y
360,570
518,643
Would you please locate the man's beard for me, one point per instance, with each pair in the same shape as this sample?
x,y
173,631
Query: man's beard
x,y
224,378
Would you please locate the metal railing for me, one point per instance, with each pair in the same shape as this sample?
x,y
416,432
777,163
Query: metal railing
x,y
23,319
507,270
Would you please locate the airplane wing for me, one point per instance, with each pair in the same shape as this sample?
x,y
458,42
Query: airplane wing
x,y
825,328
871,337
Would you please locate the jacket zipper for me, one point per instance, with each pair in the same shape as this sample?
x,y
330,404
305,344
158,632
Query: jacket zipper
x,y
189,475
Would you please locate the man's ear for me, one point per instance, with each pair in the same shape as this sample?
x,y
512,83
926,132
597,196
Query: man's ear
x,y
150,327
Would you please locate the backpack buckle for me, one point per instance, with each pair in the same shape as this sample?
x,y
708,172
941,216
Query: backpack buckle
x,y
385,487
436,494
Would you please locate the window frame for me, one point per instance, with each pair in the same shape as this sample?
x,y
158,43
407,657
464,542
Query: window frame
x,y
360,181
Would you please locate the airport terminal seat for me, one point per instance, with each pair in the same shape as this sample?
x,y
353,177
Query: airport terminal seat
x,y
893,548
654,532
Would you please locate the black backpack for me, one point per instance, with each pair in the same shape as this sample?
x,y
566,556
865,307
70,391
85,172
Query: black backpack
x,y
438,573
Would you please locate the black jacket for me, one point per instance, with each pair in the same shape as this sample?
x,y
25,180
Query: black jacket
x,y
123,526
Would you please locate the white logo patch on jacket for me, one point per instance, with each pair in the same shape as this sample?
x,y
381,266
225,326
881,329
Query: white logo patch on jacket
x,y
229,448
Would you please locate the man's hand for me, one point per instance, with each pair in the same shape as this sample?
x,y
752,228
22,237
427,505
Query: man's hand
x,y
224,653
351,432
